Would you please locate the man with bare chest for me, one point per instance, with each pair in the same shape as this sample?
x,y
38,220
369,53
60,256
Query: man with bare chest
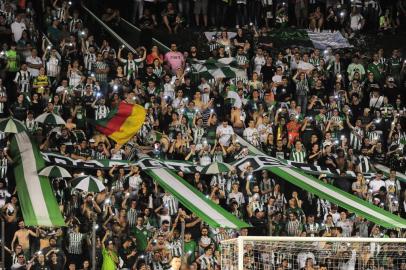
x,y
23,238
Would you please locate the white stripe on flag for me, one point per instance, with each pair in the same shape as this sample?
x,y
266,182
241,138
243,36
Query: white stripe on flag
x,y
32,179
193,198
342,198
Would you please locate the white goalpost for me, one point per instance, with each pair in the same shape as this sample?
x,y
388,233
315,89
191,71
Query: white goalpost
x,y
308,253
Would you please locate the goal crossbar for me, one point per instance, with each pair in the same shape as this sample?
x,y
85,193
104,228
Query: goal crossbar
x,y
316,239
234,254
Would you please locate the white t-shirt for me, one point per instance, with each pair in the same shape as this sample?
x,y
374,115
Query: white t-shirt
x,y
375,185
135,182
303,256
390,184
61,89
169,90
264,131
238,197
356,22
225,134
277,78
259,62
251,134
305,65
17,28
35,61
117,155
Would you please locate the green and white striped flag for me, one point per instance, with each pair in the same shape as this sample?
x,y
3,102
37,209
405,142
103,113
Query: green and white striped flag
x,y
38,203
337,196
221,68
194,200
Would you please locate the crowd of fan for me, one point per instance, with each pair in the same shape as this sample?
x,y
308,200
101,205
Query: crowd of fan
x,y
339,109
347,16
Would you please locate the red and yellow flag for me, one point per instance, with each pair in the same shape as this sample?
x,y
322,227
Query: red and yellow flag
x,y
123,122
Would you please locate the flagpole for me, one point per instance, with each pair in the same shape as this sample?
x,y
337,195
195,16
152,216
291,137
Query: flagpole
x,y
182,235
3,243
94,244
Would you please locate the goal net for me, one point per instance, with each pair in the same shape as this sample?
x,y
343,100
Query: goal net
x,y
313,253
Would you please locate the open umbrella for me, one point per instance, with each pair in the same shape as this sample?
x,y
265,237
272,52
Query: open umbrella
x,y
88,183
216,168
55,171
12,125
50,119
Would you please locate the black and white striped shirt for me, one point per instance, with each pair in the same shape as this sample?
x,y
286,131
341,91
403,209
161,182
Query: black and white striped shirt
x,y
75,243
3,167
72,24
89,61
31,125
176,247
171,203
205,261
101,111
101,77
132,215
364,164
3,93
375,135
23,80
356,137
298,156
157,265
130,68
241,59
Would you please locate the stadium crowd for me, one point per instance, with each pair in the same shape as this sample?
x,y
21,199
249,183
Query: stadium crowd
x,y
343,109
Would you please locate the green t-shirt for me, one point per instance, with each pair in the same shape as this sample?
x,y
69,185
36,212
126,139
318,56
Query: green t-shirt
x,y
142,238
375,69
12,61
190,114
189,248
108,260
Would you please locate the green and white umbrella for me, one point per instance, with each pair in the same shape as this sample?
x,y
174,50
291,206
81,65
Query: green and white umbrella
x,y
216,168
88,183
12,125
50,119
55,171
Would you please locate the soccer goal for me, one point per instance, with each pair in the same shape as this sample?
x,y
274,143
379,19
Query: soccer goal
x,y
308,253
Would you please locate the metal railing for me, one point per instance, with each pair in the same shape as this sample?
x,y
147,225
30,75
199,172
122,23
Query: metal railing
x,y
109,30
162,47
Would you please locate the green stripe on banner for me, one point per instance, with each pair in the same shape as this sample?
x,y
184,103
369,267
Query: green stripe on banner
x,y
337,196
195,201
38,203
228,73
22,188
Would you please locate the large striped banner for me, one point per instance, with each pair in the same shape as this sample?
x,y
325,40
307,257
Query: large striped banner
x,y
343,199
38,203
194,200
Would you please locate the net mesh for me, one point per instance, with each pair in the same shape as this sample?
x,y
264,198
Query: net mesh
x,y
318,255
